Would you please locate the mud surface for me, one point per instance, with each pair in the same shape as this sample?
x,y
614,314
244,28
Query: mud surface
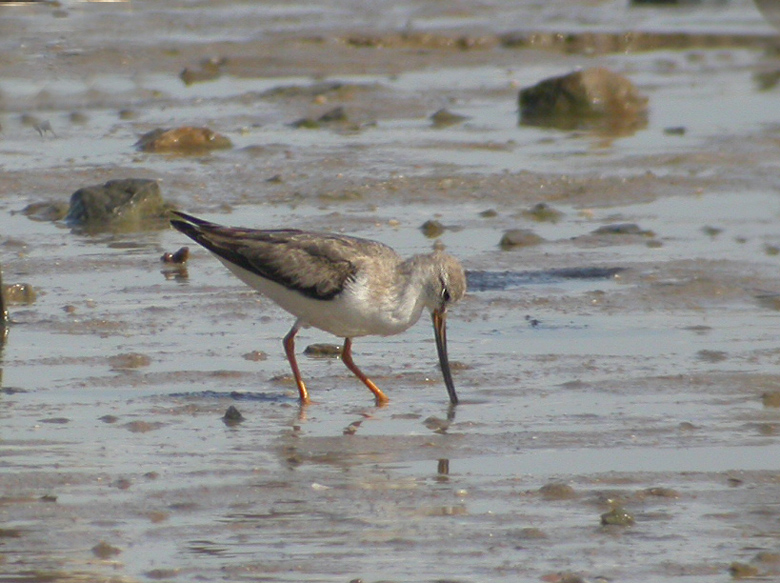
x,y
620,377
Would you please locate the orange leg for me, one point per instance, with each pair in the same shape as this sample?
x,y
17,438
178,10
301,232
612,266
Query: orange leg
x,y
289,349
346,356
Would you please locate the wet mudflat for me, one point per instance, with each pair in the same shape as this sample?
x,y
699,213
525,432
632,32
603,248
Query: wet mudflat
x,y
617,358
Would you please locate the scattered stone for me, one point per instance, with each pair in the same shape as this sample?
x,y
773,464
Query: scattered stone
x,y
543,213
108,418
767,557
436,424
591,98
127,204
232,416
352,428
488,213
712,356
623,229
142,426
742,570
210,69
323,351
10,533
335,115
55,420
444,118
769,301
675,131
661,492
318,92
179,257
711,231
48,498
256,355
771,399
432,228
103,550
46,211
157,516
557,491
519,238
158,574
129,361
19,293
183,140
529,533
618,516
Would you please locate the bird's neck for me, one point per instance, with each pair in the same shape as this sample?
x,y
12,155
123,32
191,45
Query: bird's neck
x,y
414,288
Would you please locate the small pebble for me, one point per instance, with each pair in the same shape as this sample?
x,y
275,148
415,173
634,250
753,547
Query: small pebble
x,y
623,229
617,517
519,238
771,399
543,212
323,350
178,257
432,229
742,570
557,491
103,550
232,416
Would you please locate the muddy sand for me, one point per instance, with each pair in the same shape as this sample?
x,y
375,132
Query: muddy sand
x,y
620,377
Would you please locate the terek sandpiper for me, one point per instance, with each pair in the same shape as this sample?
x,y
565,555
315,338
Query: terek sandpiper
x,y
344,285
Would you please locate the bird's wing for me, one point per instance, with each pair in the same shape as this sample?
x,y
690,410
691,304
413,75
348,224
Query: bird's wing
x,y
317,265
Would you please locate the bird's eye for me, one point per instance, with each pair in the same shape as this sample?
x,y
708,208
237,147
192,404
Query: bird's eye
x,y
445,294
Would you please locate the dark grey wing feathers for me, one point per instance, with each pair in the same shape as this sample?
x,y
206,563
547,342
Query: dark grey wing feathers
x,y
316,265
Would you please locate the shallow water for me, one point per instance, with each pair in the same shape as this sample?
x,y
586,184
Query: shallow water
x,y
653,390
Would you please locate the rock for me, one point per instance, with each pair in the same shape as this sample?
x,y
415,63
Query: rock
x,y
543,212
432,228
19,293
617,517
661,492
557,491
184,140
519,238
323,350
593,98
128,361
337,115
232,416
623,229
742,570
771,399
103,550
210,69
444,118
178,257
127,204
46,211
